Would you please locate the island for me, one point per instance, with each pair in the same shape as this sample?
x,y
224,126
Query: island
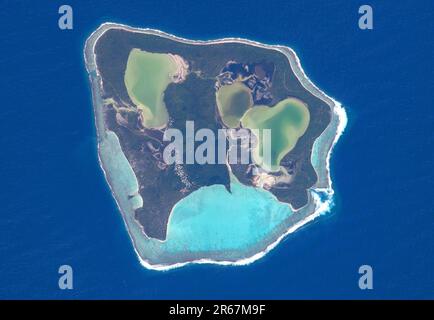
x,y
214,150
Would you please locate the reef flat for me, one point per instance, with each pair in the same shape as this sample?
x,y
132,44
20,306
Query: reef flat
x,y
145,82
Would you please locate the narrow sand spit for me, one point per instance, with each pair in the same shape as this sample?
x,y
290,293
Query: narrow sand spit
x,y
181,68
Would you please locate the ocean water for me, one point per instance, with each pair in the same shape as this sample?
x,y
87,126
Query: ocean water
x,y
57,209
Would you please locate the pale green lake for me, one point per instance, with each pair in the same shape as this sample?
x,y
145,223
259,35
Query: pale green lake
x,y
233,101
147,76
287,120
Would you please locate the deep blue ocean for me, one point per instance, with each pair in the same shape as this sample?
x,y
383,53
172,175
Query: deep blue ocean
x,y
55,207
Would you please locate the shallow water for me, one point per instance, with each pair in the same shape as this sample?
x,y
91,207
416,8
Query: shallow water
x,y
214,219
208,220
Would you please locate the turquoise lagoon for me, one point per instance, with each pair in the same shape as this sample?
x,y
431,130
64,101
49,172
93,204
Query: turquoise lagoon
x,y
210,223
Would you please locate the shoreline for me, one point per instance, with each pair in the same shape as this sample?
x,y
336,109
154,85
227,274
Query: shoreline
x,y
338,114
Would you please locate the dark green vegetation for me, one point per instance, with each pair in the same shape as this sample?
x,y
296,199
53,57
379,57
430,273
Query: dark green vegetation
x,y
162,186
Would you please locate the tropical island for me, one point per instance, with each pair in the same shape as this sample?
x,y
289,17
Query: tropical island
x,y
228,98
